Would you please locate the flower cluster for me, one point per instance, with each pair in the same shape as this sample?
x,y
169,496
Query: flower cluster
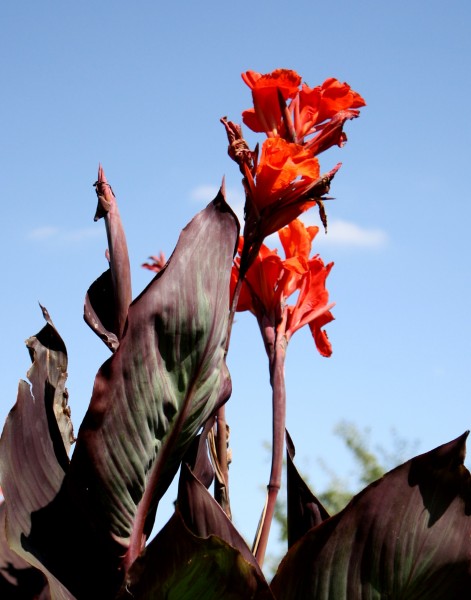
x,y
271,281
309,109
281,181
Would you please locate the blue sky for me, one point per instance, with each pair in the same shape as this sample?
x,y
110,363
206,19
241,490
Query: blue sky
x,y
140,87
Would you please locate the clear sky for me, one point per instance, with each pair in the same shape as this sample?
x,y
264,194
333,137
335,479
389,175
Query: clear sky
x,y
140,87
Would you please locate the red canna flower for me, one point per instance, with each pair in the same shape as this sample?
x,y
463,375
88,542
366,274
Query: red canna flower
x,y
266,114
157,264
270,281
313,106
307,110
283,179
283,167
264,287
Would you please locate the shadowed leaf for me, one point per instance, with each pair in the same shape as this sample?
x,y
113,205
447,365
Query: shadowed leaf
x,y
407,536
304,510
210,560
99,310
18,579
193,569
200,511
35,443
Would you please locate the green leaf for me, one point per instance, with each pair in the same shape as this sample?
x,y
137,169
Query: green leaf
x,y
407,536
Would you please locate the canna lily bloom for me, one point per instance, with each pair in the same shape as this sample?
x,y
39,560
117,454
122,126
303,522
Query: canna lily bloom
x,y
264,289
157,264
309,107
283,180
287,183
313,106
270,281
312,306
266,114
283,166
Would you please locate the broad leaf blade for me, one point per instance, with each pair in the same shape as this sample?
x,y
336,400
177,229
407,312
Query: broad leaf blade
x,y
162,384
405,536
199,552
200,511
35,444
193,568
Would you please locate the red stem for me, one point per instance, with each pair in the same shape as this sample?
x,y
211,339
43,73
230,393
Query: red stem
x,y
276,351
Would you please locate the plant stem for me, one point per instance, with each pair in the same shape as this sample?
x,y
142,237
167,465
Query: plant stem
x,y
277,355
221,431
221,484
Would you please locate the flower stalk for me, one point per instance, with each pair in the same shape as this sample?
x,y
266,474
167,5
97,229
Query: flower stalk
x,y
275,344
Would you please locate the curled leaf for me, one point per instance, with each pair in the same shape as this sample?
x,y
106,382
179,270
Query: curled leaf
x,y
35,445
109,297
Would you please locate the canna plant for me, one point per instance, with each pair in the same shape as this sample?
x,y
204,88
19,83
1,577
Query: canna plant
x,y
78,512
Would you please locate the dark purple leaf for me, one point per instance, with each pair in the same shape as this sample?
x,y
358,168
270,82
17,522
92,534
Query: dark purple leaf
x,y
100,309
192,568
109,297
150,398
304,510
18,579
35,443
200,511
166,379
210,559
405,536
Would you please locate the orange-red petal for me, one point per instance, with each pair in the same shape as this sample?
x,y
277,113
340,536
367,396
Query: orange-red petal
x,y
296,239
266,114
320,336
324,101
281,163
